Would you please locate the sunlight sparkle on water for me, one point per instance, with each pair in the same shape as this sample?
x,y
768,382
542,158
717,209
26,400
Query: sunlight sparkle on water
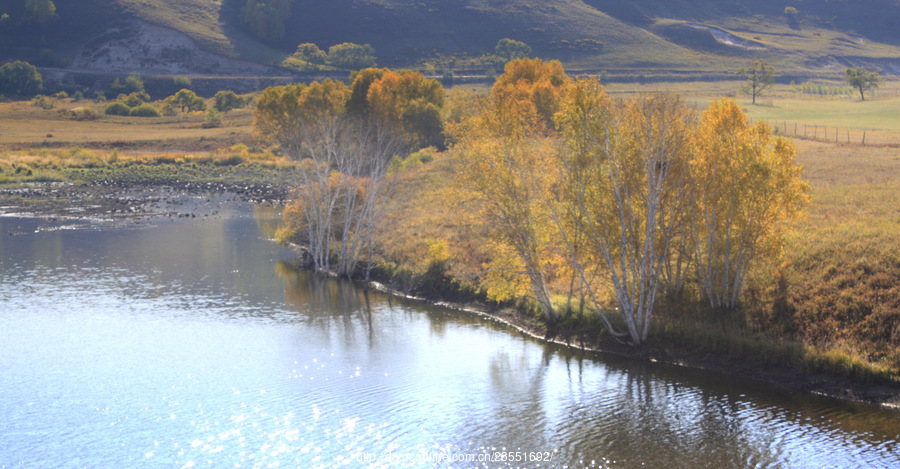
x,y
189,367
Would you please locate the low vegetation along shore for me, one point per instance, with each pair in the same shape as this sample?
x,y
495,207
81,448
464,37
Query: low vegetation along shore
x,y
823,317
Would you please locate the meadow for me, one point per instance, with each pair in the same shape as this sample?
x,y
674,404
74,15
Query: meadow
x,y
25,124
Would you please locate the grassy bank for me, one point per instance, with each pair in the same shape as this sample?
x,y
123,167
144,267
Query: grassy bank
x,y
233,166
49,140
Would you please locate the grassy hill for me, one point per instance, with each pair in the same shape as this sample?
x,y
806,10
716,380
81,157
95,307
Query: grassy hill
x,y
708,36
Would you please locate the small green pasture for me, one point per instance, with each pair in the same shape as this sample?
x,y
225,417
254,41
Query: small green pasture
x,y
878,113
840,119
795,113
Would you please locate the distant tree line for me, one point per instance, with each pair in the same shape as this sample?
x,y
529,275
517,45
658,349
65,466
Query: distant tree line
x,y
134,101
760,76
347,55
350,56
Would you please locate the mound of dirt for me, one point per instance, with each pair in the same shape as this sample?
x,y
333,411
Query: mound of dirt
x,y
147,49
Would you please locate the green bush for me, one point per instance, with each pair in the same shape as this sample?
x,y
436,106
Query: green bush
x,y
309,52
351,56
20,79
134,99
117,109
231,160
144,110
40,11
134,83
181,82
228,100
187,100
213,118
510,49
168,109
265,18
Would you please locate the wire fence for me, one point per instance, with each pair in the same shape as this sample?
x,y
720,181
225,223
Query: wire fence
x,y
835,134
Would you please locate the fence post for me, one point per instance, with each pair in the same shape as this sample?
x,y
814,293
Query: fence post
x,y
864,138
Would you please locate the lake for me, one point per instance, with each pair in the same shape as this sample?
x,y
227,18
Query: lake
x,y
195,343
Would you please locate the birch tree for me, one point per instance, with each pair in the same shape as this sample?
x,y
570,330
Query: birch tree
x,y
320,136
367,191
339,203
504,168
748,191
625,166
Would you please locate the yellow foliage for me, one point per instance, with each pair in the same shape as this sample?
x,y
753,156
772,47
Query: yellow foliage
x,y
748,192
626,194
408,101
507,168
286,114
322,100
438,252
505,278
390,95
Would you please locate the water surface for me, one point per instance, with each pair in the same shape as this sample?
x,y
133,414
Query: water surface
x,y
193,343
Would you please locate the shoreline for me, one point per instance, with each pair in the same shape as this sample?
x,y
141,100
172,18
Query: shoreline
x,y
120,204
884,396
116,203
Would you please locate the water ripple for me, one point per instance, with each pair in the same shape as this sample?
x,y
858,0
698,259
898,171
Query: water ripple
x,y
122,351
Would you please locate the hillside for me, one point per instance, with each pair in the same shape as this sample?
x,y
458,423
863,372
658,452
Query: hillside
x,y
819,37
610,34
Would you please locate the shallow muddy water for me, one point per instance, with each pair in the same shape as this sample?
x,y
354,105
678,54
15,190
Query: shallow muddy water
x,y
191,343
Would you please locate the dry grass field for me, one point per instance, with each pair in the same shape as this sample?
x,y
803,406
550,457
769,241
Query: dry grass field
x,y
26,125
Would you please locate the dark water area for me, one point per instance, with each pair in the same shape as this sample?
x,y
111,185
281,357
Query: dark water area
x,y
193,343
